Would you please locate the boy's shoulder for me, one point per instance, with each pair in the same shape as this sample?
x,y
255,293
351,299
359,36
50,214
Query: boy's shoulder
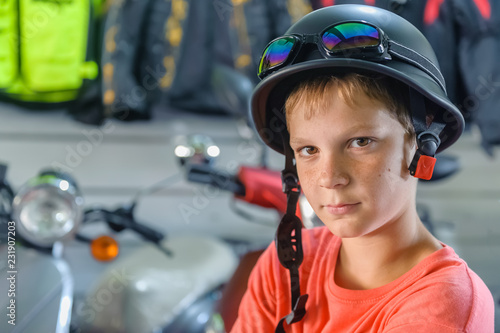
x,y
443,290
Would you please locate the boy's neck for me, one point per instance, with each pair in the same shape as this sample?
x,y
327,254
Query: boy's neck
x,y
377,259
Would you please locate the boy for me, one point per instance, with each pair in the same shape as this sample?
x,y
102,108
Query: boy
x,y
365,110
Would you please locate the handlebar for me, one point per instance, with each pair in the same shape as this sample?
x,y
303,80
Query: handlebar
x,y
123,218
205,174
255,185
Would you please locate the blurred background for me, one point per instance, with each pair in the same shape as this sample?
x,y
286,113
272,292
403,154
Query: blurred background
x,y
128,118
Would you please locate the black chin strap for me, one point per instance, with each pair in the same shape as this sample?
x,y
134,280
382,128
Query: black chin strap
x,y
428,139
288,239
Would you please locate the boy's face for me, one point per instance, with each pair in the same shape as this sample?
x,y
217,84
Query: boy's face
x,y
352,163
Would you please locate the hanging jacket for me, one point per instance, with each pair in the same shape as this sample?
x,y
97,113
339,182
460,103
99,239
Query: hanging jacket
x,y
184,53
46,53
244,27
158,52
123,95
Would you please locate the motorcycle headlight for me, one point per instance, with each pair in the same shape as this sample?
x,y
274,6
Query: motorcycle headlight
x,y
48,208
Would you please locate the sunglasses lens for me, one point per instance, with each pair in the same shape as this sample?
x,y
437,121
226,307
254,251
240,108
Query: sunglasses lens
x,y
350,35
276,53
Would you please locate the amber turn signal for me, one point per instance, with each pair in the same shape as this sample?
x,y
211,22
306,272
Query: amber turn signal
x,y
104,248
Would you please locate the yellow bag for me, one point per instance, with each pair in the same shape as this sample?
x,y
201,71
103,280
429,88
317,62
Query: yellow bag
x,y
43,57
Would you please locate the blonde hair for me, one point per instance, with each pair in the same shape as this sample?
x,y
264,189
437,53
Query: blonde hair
x,y
312,95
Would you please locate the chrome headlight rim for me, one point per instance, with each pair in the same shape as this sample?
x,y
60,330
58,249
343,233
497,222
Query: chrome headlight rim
x,y
64,185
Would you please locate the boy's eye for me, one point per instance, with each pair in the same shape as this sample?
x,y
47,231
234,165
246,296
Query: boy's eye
x,y
308,151
360,142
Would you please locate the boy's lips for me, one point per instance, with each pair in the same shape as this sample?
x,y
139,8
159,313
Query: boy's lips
x,y
341,208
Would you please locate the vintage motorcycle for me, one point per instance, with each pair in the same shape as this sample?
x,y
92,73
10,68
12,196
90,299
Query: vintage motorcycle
x,y
47,212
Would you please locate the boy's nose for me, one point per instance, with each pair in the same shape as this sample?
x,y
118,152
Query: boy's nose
x,y
333,173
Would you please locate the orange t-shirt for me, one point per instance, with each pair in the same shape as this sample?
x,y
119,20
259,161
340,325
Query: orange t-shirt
x,y
440,294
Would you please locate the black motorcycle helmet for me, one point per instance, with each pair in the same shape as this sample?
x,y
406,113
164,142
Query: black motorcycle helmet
x,y
408,58
336,40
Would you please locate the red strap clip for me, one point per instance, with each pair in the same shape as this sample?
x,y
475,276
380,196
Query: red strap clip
x,y
425,167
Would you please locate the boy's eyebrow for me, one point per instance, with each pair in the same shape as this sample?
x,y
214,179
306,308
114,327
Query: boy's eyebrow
x,y
363,127
355,128
296,141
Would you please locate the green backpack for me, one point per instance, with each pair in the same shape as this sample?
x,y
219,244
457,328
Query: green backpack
x,y
46,48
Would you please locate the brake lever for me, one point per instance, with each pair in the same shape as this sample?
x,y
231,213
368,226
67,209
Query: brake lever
x,y
129,222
